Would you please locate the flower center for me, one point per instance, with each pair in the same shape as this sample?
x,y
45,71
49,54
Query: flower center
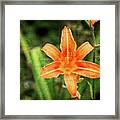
x,y
67,67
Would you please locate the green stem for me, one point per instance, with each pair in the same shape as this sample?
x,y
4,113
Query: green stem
x,y
25,48
93,36
41,84
93,79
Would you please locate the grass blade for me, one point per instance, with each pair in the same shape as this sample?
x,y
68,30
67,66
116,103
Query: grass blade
x,y
41,84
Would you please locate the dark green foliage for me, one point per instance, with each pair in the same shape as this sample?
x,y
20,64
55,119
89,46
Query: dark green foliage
x,y
34,35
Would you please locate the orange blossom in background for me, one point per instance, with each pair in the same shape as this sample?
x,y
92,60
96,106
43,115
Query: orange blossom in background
x,y
91,22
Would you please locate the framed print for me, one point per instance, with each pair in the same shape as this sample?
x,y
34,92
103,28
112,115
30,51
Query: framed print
x,y
60,60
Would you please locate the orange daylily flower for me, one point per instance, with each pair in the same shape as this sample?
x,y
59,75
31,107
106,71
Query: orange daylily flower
x,y
69,61
92,22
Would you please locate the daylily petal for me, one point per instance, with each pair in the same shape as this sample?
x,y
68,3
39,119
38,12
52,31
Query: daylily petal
x,y
71,83
83,50
51,51
50,70
68,45
87,69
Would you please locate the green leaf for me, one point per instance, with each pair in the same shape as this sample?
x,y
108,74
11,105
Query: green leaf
x,y
41,84
91,90
84,90
25,48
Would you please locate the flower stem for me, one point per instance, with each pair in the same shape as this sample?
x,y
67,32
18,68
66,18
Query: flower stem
x,y
93,37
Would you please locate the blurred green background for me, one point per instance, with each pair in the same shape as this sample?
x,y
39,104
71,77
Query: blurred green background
x,y
34,35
